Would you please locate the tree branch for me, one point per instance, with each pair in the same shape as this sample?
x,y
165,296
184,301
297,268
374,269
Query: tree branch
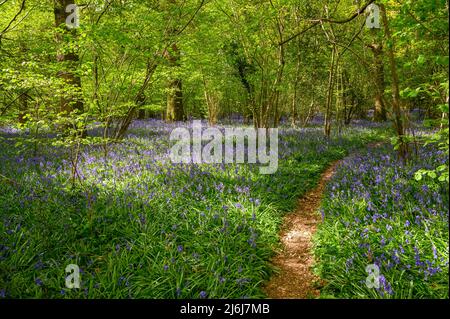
x,y
319,21
192,18
22,6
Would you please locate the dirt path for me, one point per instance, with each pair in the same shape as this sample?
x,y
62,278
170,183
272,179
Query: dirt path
x,y
295,279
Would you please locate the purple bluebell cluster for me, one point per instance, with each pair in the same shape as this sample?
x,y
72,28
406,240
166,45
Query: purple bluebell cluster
x,y
379,214
138,225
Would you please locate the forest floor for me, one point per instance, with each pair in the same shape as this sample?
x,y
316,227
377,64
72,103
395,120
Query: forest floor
x,y
206,230
140,227
295,278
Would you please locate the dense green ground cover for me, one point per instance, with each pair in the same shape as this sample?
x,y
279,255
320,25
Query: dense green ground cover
x,y
375,212
141,227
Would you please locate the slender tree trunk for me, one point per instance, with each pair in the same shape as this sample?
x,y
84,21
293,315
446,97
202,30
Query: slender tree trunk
x,y
23,98
96,79
281,65
327,126
142,114
345,96
339,97
294,108
294,97
305,120
444,115
175,111
68,58
294,105
139,101
273,102
23,107
212,103
378,69
398,121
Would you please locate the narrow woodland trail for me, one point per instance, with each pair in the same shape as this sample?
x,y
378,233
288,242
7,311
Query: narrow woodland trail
x,y
295,279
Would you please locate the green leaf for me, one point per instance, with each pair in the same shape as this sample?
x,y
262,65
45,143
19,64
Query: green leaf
x,y
432,174
443,108
418,176
421,60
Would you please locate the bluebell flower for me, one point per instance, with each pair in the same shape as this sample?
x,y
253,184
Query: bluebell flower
x,y
435,256
38,282
39,265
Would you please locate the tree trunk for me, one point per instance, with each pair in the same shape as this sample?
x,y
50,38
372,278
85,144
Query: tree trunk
x,y
294,112
378,69
281,64
68,58
305,120
23,98
212,102
141,114
139,101
23,107
327,125
294,98
175,110
175,101
398,121
294,108
340,98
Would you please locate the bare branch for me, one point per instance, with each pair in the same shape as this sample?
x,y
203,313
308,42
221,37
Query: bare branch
x,y
22,6
192,18
319,21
